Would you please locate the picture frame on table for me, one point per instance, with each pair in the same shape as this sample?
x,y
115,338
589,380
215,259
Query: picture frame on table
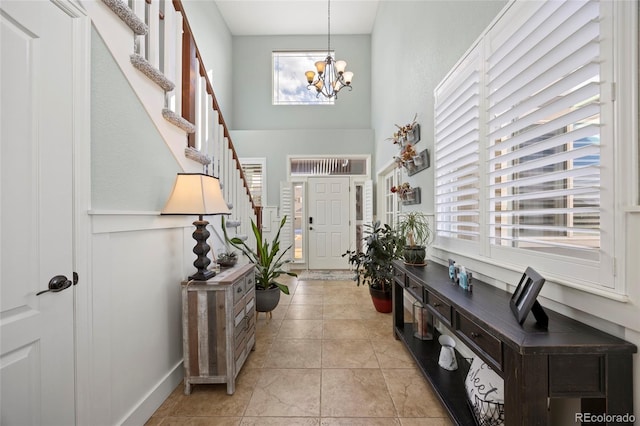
x,y
524,298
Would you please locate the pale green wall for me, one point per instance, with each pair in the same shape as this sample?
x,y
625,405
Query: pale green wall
x,y
215,45
264,130
414,45
132,168
252,69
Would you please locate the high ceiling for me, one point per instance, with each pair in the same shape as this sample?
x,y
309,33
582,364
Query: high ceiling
x,y
297,17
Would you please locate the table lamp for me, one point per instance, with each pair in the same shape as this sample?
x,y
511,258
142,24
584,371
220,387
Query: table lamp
x,y
197,194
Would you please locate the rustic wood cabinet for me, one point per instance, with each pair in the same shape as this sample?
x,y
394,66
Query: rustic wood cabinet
x,y
568,360
218,326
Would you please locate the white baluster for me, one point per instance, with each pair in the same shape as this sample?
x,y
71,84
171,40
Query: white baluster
x,y
139,8
153,37
177,63
211,128
169,52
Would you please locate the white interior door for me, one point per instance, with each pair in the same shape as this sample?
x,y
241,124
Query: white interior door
x,y
328,222
37,331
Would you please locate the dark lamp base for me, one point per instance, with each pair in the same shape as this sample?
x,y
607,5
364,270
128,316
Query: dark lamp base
x,y
202,276
201,249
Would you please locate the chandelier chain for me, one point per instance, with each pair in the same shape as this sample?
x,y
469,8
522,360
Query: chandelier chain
x,y
329,28
331,76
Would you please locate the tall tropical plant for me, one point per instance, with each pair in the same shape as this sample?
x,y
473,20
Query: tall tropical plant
x,y
267,258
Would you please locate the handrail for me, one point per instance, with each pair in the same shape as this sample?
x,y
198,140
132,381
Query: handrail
x,y
188,99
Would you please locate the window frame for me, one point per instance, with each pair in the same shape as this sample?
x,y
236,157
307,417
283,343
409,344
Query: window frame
x,y
262,162
310,99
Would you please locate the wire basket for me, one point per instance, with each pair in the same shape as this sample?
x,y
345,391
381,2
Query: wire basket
x,y
487,413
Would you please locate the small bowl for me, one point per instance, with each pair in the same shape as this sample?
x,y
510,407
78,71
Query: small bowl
x,y
227,262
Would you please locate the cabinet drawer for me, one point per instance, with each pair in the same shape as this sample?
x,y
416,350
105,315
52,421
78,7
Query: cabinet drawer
x,y
415,289
478,338
250,305
239,289
440,306
250,282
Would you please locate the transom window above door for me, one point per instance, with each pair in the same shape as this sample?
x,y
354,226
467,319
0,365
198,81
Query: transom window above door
x,y
328,166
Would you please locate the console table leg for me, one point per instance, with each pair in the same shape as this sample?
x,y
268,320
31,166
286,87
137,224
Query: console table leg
x,y
619,386
398,306
526,398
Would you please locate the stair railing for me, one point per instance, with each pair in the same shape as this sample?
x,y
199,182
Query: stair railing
x,y
170,47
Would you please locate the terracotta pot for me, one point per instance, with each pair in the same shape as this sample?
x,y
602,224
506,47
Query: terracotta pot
x,y
381,300
267,300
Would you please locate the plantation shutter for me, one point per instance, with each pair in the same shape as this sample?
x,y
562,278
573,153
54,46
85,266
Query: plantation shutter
x,y
544,129
457,133
254,175
286,208
368,202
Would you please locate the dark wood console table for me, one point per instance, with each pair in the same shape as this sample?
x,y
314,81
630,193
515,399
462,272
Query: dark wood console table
x,y
569,360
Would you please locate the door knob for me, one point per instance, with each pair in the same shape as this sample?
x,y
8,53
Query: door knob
x,y
56,284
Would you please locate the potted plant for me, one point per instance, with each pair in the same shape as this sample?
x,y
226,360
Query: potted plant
x,y
374,266
403,190
268,260
415,233
227,259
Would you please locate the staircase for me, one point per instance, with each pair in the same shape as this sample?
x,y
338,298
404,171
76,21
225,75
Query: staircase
x,y
153,44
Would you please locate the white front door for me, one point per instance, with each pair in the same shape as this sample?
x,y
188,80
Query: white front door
x,y
36,223
328,222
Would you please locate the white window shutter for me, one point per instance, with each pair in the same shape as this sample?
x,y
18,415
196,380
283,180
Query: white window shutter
x,y
286,208
544,131
457,159
367,216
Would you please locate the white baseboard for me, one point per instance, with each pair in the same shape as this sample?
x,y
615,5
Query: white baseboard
x,y
144,410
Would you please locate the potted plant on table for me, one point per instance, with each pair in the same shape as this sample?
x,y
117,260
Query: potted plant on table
x,y
415,233
227,259
269,262
374,266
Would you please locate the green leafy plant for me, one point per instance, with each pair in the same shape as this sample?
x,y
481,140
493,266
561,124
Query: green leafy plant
x,y
414,229
374,266
268,258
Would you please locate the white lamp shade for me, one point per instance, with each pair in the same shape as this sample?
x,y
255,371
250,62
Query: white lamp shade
x,y
341,66
196,194
348,76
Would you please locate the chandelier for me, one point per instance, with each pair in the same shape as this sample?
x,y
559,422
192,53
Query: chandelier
x,y
331,76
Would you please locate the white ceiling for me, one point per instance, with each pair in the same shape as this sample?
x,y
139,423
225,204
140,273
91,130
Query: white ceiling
x,y
297,17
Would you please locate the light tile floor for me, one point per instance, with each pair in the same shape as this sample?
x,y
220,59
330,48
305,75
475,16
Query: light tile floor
x,y
325,358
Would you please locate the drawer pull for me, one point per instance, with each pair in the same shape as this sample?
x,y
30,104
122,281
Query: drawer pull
x,y
475,335
239,290
435,305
